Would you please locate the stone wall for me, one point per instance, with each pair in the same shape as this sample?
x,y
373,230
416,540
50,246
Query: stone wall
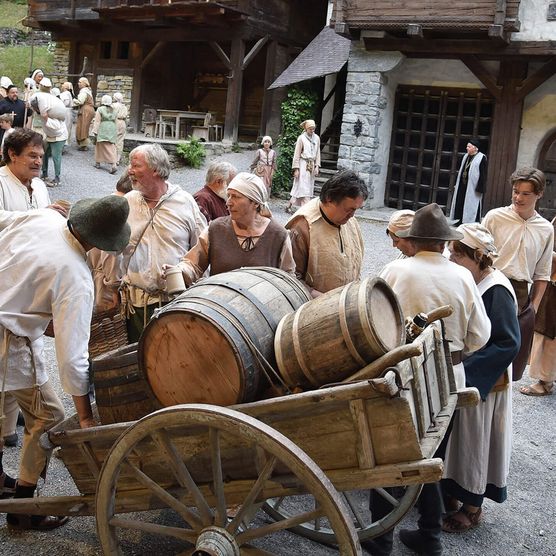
x,y
366,123
61,63
110,84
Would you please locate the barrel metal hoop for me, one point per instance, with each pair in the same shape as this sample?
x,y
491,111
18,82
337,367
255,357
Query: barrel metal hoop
x,y
250,297
121,399
342,312
298,350
366,325
119,380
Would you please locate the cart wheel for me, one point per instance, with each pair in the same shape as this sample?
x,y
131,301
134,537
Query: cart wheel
x,y
197,444
319,530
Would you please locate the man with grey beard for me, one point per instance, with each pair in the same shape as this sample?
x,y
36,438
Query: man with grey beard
x,y
212,197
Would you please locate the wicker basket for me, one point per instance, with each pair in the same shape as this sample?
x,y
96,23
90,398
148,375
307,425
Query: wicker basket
x,y
108,332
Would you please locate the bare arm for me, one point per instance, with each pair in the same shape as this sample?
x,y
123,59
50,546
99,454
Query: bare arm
x,y
537,291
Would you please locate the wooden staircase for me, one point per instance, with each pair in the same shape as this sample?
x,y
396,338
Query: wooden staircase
x,y
330,143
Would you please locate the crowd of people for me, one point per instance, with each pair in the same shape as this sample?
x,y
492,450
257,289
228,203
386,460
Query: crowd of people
x,y
116,251
52,111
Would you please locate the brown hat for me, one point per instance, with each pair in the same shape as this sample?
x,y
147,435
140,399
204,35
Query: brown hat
x,y
430,223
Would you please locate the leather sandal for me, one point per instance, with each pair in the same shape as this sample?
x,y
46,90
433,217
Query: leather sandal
x,y
539,388
461,521
24,522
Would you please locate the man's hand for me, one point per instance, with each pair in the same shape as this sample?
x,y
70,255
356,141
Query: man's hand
x,y
88,423
59,209
296,173
84,411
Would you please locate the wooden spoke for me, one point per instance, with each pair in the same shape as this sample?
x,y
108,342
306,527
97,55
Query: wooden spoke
x,y
155,528
217,477
163,495
253,494
256,533
388,497
359,519
162,438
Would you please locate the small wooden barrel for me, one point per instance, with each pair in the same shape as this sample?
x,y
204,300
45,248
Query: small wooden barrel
x,y
122,392
209,345
338,333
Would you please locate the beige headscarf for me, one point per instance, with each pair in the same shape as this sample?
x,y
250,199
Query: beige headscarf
x,y
308,123
400,220
479,238
253,188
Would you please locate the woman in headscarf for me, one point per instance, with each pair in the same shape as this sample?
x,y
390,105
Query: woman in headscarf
x,y
248,237
32,86
120,110
478,452
105,134
85,113
399,221
264,164
67,96
305,165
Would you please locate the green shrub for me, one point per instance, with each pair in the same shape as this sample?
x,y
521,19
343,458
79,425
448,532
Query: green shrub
x,y
192,152
300,105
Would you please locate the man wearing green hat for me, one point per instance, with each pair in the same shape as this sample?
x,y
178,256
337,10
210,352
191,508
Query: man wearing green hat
x,y
44,280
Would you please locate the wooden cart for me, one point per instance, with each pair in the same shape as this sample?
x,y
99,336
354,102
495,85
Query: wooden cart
x,y
198,461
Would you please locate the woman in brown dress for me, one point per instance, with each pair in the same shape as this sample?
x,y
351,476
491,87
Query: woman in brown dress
x,y
85,113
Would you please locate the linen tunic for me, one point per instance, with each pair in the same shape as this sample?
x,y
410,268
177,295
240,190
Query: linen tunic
x,y
264,166
67,98
44,276
326,256
524,246
85,114
15,198
173,231
477,460
306,149
429,280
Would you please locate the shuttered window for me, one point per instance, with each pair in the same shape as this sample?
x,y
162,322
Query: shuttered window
x,y
429,135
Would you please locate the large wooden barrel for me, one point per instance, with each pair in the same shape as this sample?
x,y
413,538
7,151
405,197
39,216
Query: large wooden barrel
x,y
122,392
209,344
338,333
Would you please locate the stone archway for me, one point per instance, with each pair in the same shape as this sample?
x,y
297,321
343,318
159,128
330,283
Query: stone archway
x,y
547,163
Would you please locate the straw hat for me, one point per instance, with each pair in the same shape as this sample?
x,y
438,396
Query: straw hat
x,y
102,222
429,222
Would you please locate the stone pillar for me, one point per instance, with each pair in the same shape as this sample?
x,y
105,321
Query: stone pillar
x,y
61,63
366,123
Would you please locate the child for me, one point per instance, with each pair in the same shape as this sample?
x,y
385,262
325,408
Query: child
x,y
264,164
6,122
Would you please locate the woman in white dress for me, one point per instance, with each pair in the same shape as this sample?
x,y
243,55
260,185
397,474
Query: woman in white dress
x,y
67,96
305,165
477,457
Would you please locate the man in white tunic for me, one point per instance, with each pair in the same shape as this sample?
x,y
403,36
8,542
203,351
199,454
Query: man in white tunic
x,y
20,190
524,240
165,223
305,165
44,280
470,185
424,282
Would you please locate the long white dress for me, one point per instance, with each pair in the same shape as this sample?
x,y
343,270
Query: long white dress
x,y
306,159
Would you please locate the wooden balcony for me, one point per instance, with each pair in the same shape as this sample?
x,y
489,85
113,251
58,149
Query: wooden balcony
x,y
428,18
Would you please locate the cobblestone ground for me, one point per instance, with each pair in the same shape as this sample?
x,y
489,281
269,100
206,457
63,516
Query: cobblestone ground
x,y
523,525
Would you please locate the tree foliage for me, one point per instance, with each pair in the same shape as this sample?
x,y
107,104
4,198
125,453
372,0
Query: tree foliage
x,y
300,105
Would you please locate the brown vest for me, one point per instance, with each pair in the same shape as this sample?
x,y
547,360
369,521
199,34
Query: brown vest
x,y
225,254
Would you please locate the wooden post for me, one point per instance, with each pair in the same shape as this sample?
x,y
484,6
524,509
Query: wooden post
x,y
506,128
233,98
137,93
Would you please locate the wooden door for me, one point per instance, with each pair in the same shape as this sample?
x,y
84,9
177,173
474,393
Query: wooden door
x,y
430,130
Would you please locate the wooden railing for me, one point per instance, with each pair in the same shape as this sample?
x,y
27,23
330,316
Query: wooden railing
x,y
432,14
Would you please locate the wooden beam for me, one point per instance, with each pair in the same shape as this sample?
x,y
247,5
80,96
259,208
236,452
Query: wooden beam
x,y
221,54
537,79
235,86
254,51
482,74
154,50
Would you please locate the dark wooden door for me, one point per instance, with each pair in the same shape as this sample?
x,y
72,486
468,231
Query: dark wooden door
x,y
429,134
547,163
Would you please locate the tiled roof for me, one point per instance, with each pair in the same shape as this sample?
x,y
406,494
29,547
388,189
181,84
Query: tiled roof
x,y
325,54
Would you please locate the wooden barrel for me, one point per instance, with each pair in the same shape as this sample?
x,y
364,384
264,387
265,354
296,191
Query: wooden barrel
x,y
122,392
338,333
209,344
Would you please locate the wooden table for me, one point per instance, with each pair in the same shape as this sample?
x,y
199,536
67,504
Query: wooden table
x,y
177,116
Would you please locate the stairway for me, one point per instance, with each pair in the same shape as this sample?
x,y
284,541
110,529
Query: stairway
x,y
330,143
